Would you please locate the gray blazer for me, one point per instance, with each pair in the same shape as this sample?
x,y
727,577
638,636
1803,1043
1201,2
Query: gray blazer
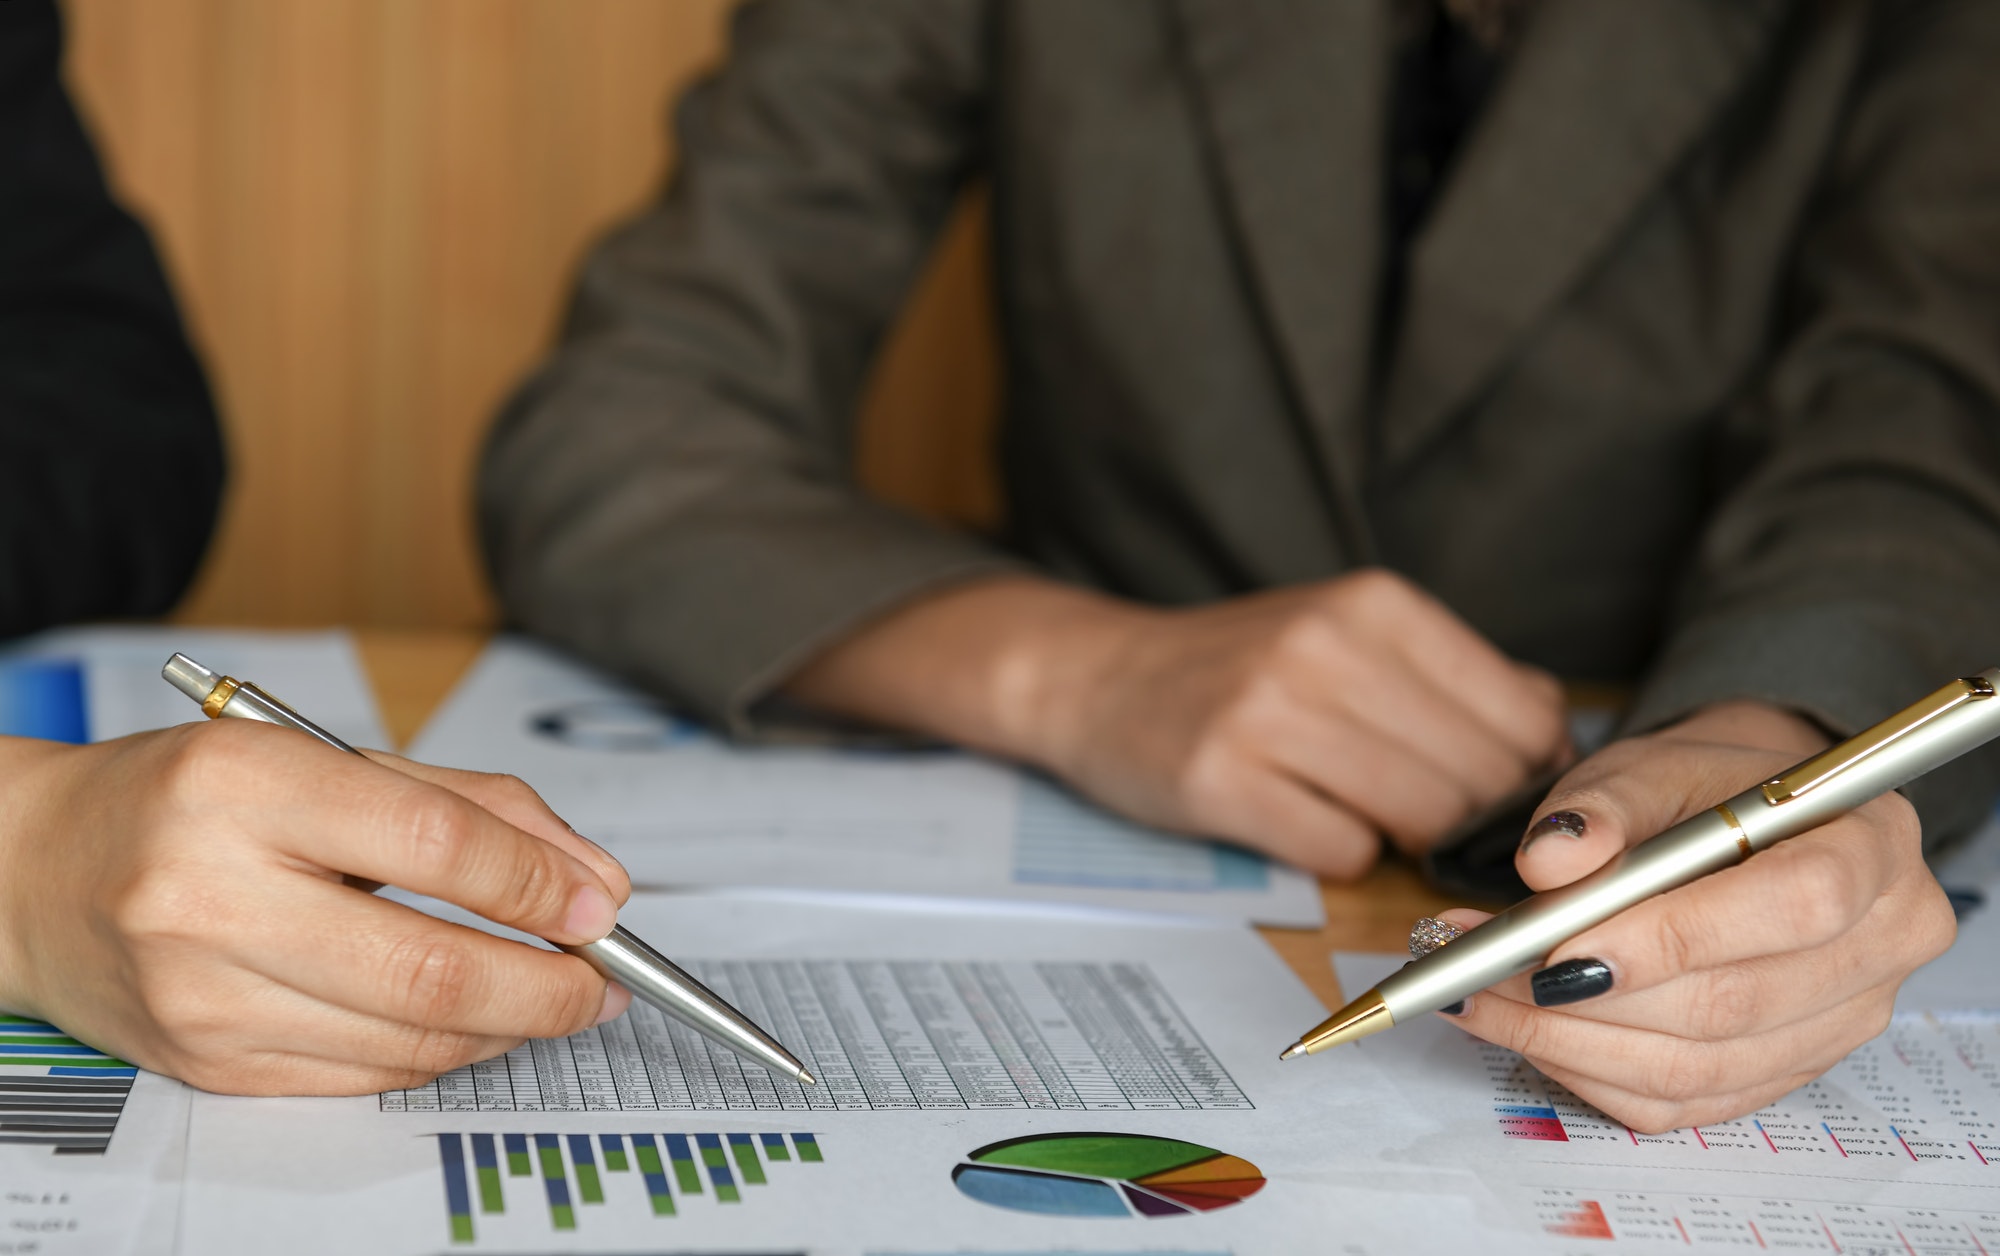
x,y
1697,384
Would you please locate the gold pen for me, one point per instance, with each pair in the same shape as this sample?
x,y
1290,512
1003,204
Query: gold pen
x,y
1957,718
620,956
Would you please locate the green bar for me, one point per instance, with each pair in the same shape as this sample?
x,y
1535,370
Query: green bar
x,y
40,1040
563,1215
715,1158
587,1184
20,1020
688,1176
461,1229
517,1164
649,1162
747,1163
777,1151
810,1152
490,1197
66,1061
616,1162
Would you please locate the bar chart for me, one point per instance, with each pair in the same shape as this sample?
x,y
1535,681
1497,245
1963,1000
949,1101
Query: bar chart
x,y
879,1035
56,1092
487,1177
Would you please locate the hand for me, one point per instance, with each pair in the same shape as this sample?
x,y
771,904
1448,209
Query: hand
x,y
1304,722
181,899
1711,1001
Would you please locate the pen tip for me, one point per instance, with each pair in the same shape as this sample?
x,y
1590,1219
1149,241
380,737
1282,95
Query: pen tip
x,y
807,1078
1297,1048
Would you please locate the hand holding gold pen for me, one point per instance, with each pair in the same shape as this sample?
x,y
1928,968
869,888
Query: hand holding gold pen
x,y
1748,981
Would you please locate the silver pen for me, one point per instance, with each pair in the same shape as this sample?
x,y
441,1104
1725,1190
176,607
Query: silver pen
x,y
620,956
1957,718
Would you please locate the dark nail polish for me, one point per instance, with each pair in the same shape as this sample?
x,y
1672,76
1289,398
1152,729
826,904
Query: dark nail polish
x,y
1456,1009
1564,823
1571,981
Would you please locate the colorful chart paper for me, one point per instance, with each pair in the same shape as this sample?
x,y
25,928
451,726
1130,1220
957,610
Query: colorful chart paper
x,y
1106,1175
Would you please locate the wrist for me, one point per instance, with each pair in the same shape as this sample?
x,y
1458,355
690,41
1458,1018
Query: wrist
x,y
30,811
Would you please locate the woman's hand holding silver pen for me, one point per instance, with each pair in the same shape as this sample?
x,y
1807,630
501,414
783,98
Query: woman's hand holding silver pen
x,y
1714,999
197,917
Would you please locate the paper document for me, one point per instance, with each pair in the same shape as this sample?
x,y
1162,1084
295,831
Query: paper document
x,y
121,690
1896,1149
1078,1085
679,806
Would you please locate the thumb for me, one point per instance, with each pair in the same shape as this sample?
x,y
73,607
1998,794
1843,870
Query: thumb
x,y
1617,798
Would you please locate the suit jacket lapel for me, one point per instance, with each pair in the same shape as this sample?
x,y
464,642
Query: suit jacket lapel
x,y
1294,92
1602,98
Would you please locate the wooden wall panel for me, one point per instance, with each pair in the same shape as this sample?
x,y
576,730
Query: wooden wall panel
x,y
372,210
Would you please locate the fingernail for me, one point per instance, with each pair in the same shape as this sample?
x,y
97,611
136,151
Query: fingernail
x,y
1566,823
1571,981
592,914
1456,1009
616,999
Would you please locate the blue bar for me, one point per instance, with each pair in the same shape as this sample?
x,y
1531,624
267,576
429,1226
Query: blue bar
x,y
611,1142
457,1194
31,1027
483,1155
33,1048
60,1071
558,1187
579,1150
774,1141
718,1172
43,698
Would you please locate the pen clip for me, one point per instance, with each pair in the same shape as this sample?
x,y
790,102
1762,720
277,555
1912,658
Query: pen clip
x,y
1830,763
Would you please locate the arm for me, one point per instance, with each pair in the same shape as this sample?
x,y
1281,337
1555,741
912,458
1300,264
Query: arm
x,y
110,460
1857,563
672,494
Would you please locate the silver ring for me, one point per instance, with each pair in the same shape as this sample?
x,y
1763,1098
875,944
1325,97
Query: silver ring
x,y
1430,933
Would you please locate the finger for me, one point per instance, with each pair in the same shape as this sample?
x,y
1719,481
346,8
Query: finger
x,y
1671,1070
1798,896
1644,1115
514,801
310,1047
1464,667
1395,790
385,960
1394,704
1620,796
1756,995
1262,806
393,828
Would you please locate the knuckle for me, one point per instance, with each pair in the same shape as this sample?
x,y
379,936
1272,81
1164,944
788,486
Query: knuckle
x,y
1653,1116
1682,939
572,1005
1726,1005
435,833
1819,903
433,977
1684,1073
430,1052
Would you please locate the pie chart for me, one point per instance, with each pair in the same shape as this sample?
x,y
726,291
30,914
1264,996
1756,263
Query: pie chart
x,y
1106,1175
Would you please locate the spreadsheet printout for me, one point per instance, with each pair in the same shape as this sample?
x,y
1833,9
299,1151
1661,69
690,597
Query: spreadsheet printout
x,y
1896,1149
1014,1083
879,1035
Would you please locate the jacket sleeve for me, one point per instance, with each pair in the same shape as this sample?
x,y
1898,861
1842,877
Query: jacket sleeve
x,y
110,458
672,494
1856,566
